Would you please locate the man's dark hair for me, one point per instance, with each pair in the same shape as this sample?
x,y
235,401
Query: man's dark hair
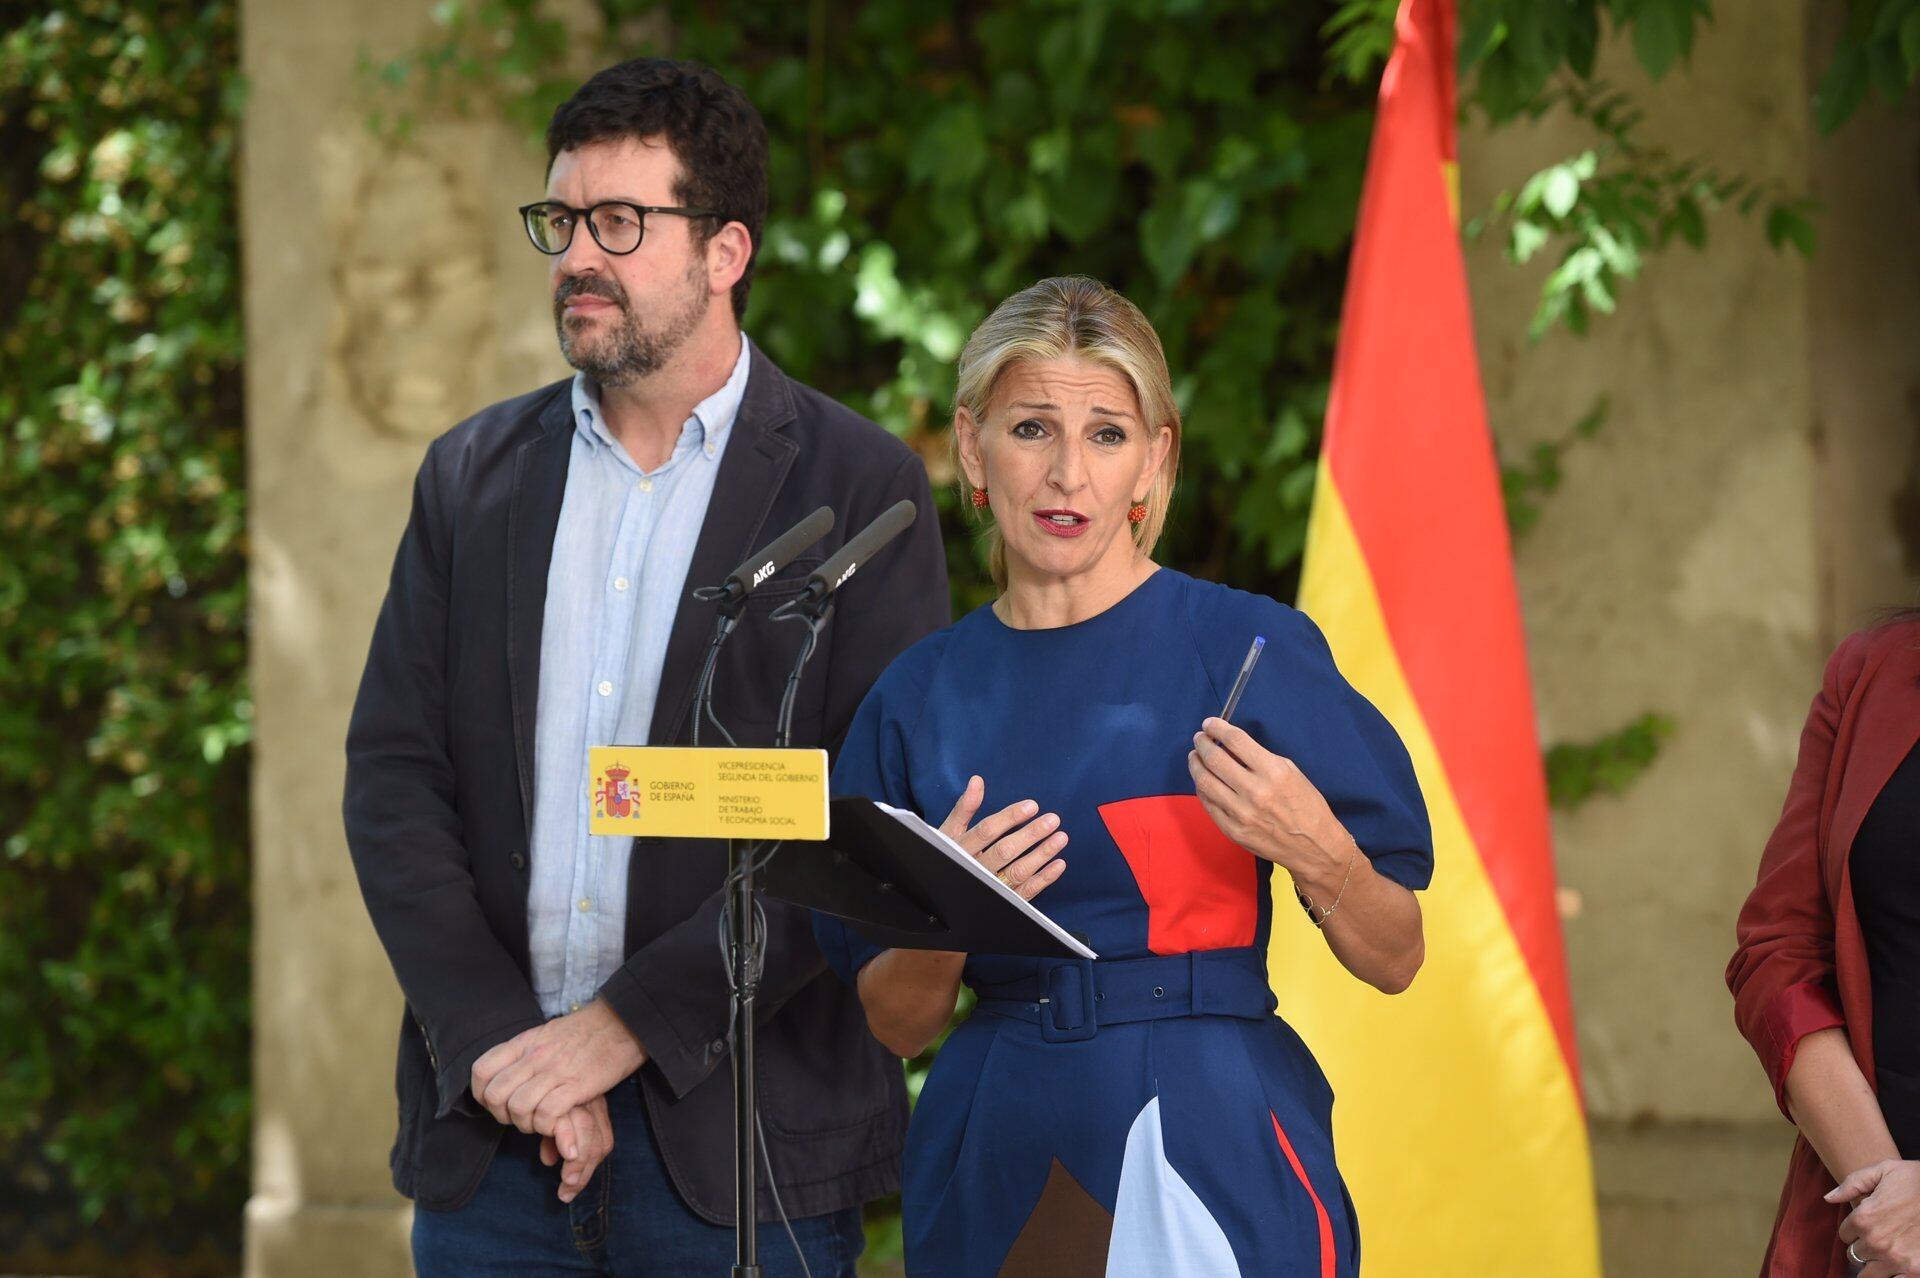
x,y
716,135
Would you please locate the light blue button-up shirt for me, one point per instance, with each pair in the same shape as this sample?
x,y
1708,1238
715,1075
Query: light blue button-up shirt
x,y
619,571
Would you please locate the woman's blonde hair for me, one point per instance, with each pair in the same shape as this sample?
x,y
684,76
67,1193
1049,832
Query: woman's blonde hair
x,y
1072,316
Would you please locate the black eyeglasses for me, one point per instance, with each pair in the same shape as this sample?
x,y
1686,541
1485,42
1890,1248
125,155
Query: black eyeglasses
x,y
616,226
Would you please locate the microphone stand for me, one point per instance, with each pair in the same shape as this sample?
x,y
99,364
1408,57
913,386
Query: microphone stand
x,y
743,924
742,940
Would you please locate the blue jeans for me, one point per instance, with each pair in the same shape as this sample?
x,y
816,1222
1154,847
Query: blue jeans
x,y
629,1222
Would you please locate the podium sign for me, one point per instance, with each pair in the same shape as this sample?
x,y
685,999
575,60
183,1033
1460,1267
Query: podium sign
x,y
701,793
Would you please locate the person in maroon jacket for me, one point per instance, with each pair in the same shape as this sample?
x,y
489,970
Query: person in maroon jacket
x,y
1826,980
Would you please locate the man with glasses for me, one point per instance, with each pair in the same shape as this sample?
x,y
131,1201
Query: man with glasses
x,y
564,1097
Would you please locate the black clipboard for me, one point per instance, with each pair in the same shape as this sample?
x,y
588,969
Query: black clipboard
x,y
905,885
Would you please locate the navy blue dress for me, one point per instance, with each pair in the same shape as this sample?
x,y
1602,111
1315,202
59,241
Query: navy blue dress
x,y
1194,1137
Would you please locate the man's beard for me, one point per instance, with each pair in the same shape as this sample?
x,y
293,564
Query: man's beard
x,y
630,351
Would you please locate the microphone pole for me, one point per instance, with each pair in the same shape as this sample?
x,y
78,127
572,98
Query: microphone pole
x,y
742,926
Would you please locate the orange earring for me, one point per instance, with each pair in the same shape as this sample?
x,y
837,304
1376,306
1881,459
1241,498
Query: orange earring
x,y
1137,513
979,499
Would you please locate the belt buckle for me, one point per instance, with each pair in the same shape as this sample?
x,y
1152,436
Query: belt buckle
x,y
1067,1001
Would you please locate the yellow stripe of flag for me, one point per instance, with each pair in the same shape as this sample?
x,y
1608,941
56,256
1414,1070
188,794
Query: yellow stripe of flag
x,y
1457,1124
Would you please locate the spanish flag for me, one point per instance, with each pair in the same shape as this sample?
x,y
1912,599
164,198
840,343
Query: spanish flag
x,y
1459,1121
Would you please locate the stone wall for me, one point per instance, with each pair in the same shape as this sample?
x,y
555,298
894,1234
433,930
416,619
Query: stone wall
x,y
1749,500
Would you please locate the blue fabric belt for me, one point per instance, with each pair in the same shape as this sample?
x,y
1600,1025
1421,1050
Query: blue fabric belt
x,y
1070,999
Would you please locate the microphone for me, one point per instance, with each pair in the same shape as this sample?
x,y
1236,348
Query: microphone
x,y
771,558
730,598
814,603
860,547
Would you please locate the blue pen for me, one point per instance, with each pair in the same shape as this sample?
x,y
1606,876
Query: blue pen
x,y
1240,682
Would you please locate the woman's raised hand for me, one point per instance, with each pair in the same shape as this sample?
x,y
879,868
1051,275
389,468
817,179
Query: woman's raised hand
x,y
1018,843
1263,802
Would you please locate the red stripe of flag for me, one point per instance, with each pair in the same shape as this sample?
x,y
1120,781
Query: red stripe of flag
x,y
1408,447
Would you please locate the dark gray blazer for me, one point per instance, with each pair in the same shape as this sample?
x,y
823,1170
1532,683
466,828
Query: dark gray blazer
x,y
439,795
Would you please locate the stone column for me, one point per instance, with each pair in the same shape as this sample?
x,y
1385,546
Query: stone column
x,y
1732,519
389,292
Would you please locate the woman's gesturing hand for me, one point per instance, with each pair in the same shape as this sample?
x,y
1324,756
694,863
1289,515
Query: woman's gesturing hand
x,y
1020,847
1884,1230
909,994
1263,802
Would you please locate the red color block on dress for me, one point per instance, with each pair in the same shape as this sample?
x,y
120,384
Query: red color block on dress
x,y
1202,888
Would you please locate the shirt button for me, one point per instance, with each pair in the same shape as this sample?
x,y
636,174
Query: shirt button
x,y
645,485
709,450
585,905
606,689
573,1007
620,583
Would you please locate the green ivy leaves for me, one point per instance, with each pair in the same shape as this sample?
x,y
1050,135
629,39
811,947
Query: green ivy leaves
x,y
1878,51
1578,771
1611,205
124,717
